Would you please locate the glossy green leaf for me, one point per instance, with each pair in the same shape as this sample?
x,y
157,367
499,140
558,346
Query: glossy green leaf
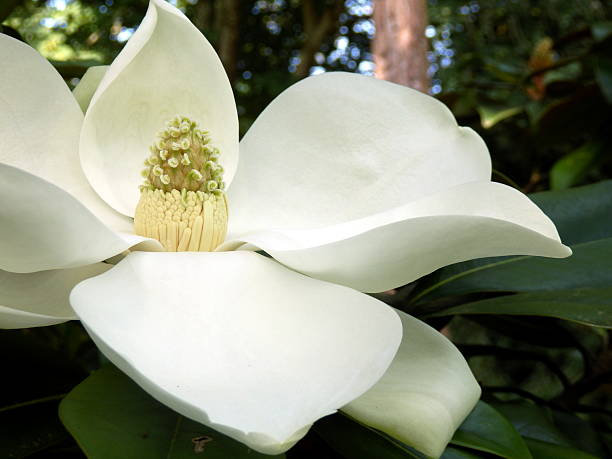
x,y
566,432
456,453
582,434
533,421
586,306
582,215
571,169
587,267
355,441
485,429
111,417
543,450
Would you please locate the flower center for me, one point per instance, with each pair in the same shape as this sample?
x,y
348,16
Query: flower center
x,y
182,200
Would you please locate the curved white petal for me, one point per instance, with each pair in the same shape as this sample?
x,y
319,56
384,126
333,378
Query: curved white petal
x,y
167,68
86,88
37,299
393,248
238,342
338,146
42,227
40,123
425,394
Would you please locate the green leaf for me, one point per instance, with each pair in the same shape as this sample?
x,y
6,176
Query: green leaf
x,y
485,429
603,74
581,215
491,115
586,306
542,434
566,73
543,450
505,71
601,30
355,441
587,267
573,167
583,435
111,417
456,453
533,421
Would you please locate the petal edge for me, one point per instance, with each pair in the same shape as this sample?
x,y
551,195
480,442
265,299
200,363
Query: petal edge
x,y
425,394
262,330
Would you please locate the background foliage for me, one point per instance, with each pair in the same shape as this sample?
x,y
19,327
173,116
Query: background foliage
x,y
534,78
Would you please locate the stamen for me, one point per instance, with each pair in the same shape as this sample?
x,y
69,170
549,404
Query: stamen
x,y
193,221
182,201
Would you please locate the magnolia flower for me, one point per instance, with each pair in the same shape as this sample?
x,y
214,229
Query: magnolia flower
x,y
350,184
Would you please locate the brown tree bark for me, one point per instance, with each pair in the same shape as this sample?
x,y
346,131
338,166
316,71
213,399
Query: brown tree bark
x,y
317,26
400,45
203,16
229,33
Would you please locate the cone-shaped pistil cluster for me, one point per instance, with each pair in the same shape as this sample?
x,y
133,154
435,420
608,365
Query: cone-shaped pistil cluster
x,y
182,202
183,157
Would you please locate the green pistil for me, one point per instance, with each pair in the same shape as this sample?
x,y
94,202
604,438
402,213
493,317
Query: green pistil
x,y
183,158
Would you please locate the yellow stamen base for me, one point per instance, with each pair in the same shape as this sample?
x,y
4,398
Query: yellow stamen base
x,y
182,221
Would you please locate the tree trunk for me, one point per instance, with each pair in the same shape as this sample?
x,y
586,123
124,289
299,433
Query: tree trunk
x,y
229,17
316,29
400,45
203,16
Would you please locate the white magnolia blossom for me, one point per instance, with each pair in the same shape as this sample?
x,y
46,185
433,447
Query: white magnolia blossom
x,y
361,185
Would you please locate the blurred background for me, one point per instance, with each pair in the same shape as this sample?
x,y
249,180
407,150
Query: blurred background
x,y
533,77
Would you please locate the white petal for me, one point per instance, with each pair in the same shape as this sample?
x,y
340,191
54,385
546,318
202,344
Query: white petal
x,y
238,342
37,299
393,248
86,88
338,146
167,68
40,124
425,394
42,227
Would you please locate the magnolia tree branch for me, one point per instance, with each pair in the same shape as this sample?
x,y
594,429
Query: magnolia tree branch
x,y
316,28
203,16
229,16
